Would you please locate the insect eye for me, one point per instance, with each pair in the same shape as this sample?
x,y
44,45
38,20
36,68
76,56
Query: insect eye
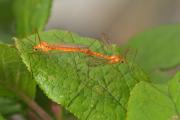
x,y
35,49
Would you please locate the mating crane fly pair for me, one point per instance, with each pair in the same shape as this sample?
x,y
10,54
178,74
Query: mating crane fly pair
x,y
45,47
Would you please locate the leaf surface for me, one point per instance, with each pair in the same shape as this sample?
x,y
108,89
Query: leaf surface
x,y
89,92
14,75
155,101
158,51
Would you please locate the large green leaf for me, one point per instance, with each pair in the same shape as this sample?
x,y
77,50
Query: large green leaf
x,y
158,51
14,78
155,102
31,15
89,92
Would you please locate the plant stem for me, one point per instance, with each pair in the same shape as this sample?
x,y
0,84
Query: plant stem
x,y
34,106
57,110
30,102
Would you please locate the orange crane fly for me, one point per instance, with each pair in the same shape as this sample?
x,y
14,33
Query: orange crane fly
x,y
45,47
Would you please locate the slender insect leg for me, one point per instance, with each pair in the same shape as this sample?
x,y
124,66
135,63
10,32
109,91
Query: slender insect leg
x,y
31,41
125,55
77,71
83,81
105,38
64,36
115,67
85,85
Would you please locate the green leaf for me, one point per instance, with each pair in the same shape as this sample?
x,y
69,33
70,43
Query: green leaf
x,y
158,51
174,91
6,20
14,75
6,37
6,14
155,101
9,105
93,93
1,117
31,15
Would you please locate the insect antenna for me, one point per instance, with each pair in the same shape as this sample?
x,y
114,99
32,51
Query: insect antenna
x,y
39,39
63,36
105,39
36,32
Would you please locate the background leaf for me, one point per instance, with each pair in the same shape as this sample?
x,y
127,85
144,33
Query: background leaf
x,y
31,15
10,105
14,75
155,101
6,20
1,117
158,51
99,93
16,83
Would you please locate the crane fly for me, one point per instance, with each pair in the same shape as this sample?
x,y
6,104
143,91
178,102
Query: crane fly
x,y
45,47
124,58
87,51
